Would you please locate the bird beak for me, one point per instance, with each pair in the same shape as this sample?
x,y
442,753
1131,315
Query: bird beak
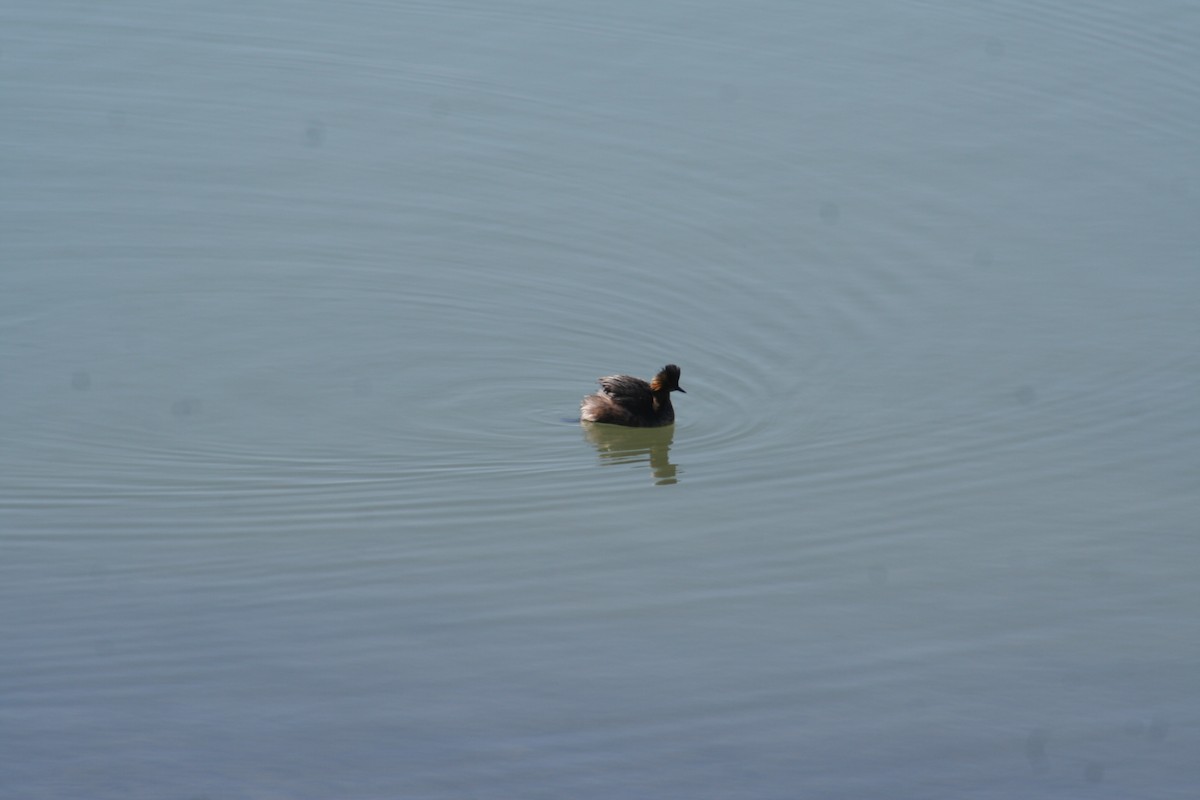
x,y
679,389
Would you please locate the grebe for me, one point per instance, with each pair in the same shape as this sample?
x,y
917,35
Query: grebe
x,y
625,400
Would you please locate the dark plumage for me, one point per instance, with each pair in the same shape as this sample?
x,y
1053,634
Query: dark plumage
x,y
625,400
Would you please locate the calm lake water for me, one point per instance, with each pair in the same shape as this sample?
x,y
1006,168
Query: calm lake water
x,y
298,302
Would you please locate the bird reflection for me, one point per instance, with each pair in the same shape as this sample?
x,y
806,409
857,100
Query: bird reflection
x,y
621,445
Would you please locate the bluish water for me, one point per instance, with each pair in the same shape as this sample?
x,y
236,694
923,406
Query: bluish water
x,y
297,303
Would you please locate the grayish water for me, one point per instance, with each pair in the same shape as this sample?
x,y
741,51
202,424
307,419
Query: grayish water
x,y
296,301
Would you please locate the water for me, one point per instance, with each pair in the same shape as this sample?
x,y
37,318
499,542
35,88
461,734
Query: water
x,y
297,304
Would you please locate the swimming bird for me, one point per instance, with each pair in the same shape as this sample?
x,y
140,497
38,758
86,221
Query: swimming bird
x,y
625,400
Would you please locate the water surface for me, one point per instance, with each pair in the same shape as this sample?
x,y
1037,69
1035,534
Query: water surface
x,y
297,304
